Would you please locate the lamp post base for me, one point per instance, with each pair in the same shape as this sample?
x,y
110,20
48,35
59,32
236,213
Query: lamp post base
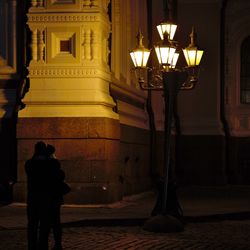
x,y
163,223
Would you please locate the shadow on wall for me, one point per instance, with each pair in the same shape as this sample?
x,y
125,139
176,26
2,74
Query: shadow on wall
x,y
8,145
12,90
12,97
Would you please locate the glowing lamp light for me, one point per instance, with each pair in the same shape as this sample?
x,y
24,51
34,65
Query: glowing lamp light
x,y
174,60
140,54
140,58
168,27
165,51
165,55
192,54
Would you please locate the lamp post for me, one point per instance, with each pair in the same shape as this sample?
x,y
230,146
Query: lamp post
x,y
170,80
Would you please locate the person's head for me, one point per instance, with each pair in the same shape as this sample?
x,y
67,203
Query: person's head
x,y
50,149
40,148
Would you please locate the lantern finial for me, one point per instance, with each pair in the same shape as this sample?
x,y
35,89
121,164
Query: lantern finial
x,y
193,38
139,38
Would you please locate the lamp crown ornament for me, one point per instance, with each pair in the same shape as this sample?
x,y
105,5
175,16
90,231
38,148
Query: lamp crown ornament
x,y
193,38
139,39
166,38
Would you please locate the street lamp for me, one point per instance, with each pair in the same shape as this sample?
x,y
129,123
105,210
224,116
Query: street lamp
x,y
169,79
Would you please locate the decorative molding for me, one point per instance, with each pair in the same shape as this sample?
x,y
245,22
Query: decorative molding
x,y
57,34
62,72
66,17
87,44
34,45
86,47
130,104
67,110
131,115
128,94
41,45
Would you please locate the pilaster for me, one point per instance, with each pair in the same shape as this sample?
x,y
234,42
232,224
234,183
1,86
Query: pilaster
x,y
69,70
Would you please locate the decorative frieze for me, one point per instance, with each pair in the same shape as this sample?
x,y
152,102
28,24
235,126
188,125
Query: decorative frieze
x,y
62,72
48,18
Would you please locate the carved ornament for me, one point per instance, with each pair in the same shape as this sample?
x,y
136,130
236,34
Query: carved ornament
x,y
48,18
62,72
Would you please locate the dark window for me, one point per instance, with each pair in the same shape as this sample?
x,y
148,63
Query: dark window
x,y
245,71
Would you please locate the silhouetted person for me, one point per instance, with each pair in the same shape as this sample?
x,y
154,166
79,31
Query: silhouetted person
x,y
58,199
43,185
37,209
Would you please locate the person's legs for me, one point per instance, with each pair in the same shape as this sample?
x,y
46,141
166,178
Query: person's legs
x,y
32,229
56,226
45,224
44,236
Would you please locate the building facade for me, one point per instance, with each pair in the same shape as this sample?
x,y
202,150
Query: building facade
x,y
66,78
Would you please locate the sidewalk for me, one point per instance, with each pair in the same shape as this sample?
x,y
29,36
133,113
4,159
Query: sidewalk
x,y
199,203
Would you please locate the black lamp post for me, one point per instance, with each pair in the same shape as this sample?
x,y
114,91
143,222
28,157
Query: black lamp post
x,y
170,80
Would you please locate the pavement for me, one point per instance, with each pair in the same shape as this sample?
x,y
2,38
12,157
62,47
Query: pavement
x,y
199,203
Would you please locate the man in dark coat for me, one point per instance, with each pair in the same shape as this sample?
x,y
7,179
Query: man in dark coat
x,y
42,188
58,197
